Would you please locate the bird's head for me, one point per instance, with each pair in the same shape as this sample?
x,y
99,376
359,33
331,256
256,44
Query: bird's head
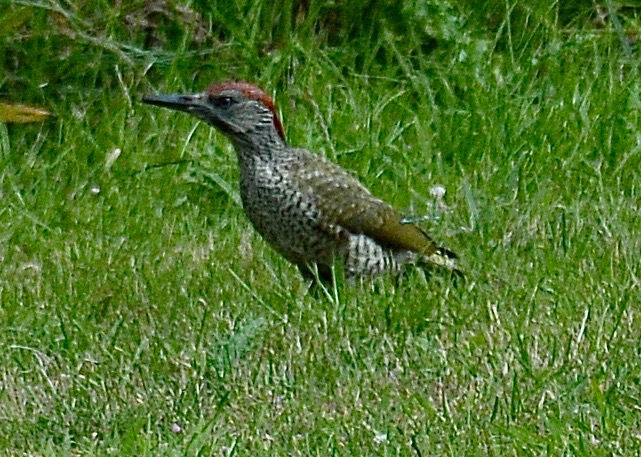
x,y
240,110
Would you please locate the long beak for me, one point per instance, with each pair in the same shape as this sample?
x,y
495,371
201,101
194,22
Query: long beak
x,y
178,102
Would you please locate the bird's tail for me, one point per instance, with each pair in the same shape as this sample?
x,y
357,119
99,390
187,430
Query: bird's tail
x,y
443,259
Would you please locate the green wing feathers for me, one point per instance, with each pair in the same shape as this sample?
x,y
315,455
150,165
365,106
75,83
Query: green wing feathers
x,y
345,202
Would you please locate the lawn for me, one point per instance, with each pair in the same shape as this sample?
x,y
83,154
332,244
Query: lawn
x,y
142,315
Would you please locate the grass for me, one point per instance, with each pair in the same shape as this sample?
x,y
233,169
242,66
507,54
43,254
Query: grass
x,y
142,315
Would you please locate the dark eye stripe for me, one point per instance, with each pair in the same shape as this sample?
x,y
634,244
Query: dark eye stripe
x,y
220,102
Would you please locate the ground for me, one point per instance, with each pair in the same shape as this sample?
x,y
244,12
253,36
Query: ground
x,y
143,316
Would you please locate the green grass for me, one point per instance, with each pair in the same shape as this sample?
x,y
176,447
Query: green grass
x,y
141,315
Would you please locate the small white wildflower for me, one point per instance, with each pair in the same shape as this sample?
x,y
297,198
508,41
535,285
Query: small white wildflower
x,y
437,191
95,189
380,438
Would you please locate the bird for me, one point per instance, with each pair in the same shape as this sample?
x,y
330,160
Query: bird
x,y
309,209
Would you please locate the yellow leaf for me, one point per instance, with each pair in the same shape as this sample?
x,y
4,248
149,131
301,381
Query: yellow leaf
x,y
21,114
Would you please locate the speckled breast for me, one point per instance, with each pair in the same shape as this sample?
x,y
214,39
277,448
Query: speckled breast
x,y
286,218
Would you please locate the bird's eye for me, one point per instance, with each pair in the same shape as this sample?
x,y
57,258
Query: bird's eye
x,y
220,102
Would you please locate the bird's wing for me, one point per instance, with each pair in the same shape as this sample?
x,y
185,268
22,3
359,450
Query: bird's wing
x,y
345,202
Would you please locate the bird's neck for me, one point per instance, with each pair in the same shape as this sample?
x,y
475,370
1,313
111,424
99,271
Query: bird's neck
x,y
259,145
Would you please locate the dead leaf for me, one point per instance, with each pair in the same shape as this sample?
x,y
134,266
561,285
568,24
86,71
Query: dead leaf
x,y
21,114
